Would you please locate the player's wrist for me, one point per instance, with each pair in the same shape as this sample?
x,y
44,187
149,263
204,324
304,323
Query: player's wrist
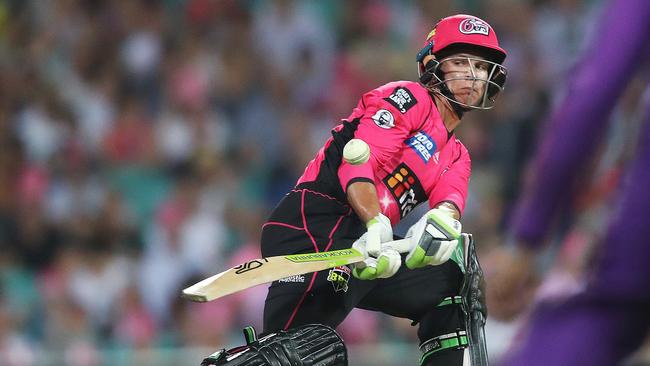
x,y
450,209
378,219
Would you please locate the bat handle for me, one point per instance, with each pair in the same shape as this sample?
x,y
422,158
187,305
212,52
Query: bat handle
x,y
401,245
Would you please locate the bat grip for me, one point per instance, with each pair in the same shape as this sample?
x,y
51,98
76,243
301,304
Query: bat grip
x,y
401,245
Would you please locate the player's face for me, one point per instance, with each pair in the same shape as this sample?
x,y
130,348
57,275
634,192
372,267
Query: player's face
x,y
466,77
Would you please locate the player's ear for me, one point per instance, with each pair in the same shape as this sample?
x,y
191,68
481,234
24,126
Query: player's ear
x,y
428,68
430,64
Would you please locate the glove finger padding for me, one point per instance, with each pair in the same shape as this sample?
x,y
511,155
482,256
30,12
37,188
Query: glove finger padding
x,y
430,252
381,261
384,266
433,239
379,230
389,260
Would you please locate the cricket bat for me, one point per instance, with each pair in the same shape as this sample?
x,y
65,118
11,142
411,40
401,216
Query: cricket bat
x,y
263,270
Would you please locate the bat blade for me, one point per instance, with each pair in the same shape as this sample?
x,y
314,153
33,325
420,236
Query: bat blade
x,y
259,271
263,270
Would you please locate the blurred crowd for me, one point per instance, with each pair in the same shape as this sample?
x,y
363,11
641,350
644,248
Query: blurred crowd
x,y
144,142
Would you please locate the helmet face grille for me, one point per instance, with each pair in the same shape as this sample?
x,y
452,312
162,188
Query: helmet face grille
x,y
468,81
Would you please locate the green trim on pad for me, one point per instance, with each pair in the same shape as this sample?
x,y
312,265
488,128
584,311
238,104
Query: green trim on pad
x,y
457,340
451,300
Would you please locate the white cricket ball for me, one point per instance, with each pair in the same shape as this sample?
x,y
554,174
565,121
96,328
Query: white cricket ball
x,y
356,152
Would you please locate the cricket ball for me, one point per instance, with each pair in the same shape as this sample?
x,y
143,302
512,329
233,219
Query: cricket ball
x,y
356,152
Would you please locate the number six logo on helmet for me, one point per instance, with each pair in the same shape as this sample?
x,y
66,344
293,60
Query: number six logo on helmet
x,y
474,26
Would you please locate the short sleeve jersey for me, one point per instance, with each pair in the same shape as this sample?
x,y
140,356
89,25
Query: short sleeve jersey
x,y
413,158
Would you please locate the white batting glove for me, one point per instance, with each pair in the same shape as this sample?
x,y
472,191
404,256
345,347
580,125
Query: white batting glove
x,y
432,239
382,261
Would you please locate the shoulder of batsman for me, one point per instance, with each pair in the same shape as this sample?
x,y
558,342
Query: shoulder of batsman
x,y
404,96
414,88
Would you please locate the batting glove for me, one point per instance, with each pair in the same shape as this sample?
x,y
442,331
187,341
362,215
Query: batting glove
x,y
382,261
432,239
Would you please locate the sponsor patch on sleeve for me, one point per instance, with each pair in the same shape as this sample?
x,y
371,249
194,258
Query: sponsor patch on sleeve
x,y
384,119
402,99
423,145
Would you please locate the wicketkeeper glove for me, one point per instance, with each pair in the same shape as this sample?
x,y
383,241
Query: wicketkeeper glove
x,y
382,261
433,239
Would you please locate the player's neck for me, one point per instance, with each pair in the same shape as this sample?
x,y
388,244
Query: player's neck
x,y
447,113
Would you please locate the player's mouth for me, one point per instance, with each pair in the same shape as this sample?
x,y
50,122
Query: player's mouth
x,y
467,93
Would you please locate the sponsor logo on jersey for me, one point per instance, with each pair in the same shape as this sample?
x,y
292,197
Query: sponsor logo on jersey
x,y
339,277
402,99
423,145
293,279
384,119
405,188
474,26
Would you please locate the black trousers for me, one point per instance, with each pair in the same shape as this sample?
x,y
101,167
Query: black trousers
x,y
309,221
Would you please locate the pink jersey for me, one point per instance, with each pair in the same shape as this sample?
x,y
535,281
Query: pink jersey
x,y
413,158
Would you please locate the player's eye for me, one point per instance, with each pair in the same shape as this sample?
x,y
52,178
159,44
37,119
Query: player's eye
x,y
482,66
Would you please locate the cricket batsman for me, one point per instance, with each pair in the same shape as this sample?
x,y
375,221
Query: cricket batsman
x,y
609,318
414,158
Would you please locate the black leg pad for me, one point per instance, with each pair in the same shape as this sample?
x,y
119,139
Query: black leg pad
x,y
308,345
